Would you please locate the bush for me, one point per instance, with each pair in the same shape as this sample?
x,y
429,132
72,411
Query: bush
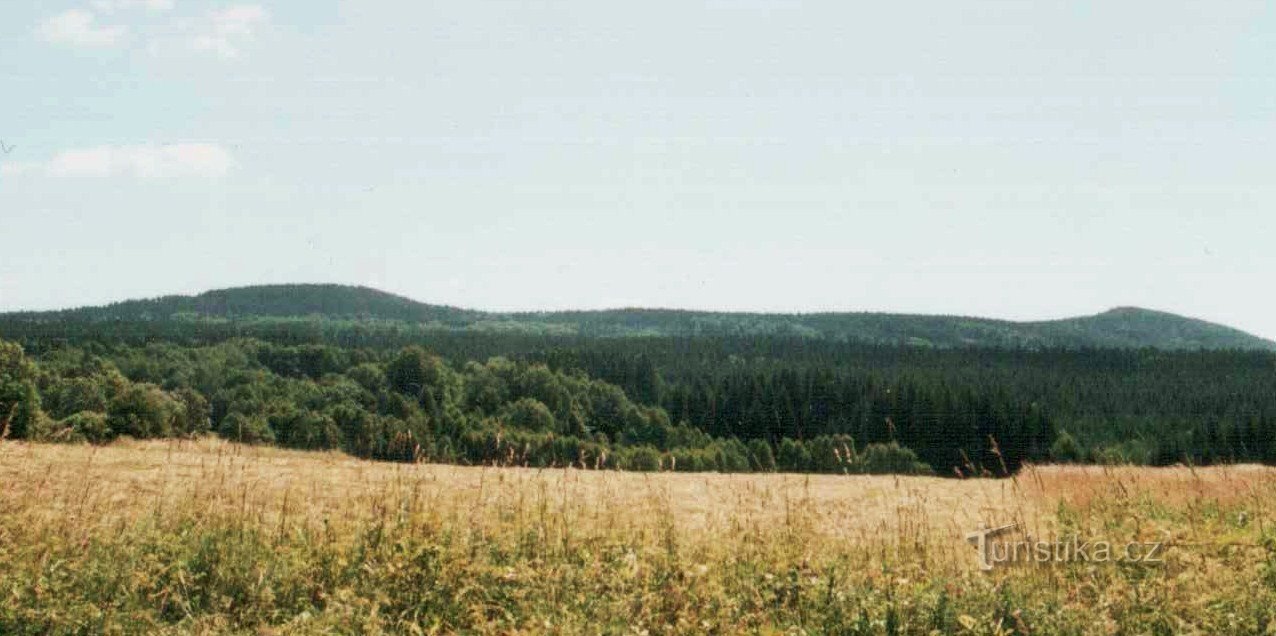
x,y
1131,452
686,460
88,426
761,458
413,371
196,415
640,458
247,429
793,456
891,459
71,396
305,429
832,454
732,456
369,376
21,414
144,411
529,414
1066,449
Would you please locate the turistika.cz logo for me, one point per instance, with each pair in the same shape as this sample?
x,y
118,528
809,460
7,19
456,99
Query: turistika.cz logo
x,y
995,548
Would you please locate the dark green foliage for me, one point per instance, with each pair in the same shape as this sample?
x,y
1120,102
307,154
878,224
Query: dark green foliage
x,y
369,376
793,456
21,415
276,300
298,428
411,371
732,456
360,306
639,458
87,426
76,395
761,458
1125,452
196,413
144,411
831,454
890,458
1066,449
249,429
529,414
710,402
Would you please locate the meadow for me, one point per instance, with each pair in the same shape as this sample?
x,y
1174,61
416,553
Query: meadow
x,y
205,536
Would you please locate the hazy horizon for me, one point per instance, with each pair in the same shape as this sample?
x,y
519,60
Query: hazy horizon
x,y
1018,161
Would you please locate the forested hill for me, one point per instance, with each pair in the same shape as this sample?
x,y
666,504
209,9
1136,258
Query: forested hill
x,y
1126,327
278,301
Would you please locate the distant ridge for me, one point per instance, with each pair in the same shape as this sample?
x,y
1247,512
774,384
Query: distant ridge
x,y
277,301
1122,327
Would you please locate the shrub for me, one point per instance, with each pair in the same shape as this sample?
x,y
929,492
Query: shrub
x,y
305,429
686,460
640,458
70,396
733,456
144,411
196,415
529,414
891,458
369,376
1066,449
793,456
832,454
248,429
1130,452
761,458
88,426
21,415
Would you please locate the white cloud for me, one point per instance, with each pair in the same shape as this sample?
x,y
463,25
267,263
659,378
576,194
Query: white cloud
x,y
113,6
225,31
145,161
78,27
17,168
239,19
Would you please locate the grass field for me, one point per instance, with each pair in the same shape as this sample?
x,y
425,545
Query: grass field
x,y
208,537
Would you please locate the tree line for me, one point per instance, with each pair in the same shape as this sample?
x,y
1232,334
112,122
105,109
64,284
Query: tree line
x,y
659,403
399,405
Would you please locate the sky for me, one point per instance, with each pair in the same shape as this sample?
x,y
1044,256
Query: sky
x,y
1009,159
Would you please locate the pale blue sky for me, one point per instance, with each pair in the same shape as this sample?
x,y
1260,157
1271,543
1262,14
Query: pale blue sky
x,y
1002,158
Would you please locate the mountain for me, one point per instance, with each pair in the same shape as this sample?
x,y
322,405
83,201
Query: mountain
x,y
1137,327
1124,327
275,301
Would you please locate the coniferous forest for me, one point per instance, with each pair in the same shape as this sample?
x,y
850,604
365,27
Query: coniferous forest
x,y
526,393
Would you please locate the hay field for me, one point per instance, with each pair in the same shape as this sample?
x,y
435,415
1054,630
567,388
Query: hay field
x,y
208,537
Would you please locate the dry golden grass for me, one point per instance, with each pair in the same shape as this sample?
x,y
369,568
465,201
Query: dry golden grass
x,y
659,552
132,478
